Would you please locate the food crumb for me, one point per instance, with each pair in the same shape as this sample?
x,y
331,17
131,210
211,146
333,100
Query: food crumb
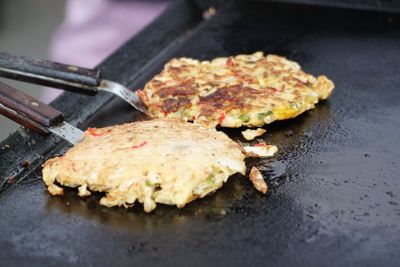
x,y
260,150
10,180
250,134
258,181
25,164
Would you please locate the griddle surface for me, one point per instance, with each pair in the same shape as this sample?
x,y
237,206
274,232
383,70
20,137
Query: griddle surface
x,y
335,185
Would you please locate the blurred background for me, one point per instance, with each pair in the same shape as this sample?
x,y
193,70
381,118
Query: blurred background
x,y
26,28
79,32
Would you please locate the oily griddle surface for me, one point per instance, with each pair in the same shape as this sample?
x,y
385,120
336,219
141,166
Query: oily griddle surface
x,y
334,198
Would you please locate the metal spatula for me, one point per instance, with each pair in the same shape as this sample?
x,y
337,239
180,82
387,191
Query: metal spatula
x,y
67,77
35,115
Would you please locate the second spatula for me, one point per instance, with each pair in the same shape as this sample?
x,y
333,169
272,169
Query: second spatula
x,y
67,77
35,115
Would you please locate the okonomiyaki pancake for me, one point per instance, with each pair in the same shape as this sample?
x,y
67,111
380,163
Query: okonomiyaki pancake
x,y
167,161
244,90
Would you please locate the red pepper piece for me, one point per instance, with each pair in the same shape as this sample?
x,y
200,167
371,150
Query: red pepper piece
x,y
93,132
221,118
260,144
230,62
140,145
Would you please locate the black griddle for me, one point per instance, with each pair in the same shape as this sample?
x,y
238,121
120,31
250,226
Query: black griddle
x,y
334,196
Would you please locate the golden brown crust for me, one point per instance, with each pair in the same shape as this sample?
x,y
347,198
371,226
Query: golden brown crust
x,y
245,90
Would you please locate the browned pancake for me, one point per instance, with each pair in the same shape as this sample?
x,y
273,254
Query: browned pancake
x,y
245,90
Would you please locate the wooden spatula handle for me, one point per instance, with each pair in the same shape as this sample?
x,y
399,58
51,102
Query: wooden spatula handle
x,y
26,110
48,73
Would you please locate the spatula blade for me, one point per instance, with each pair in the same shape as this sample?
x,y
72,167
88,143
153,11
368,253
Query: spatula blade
x,y
67,132
124,93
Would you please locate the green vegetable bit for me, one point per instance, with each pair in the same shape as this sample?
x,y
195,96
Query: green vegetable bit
x,y
148,183
186,114
244,118
262,115
210,179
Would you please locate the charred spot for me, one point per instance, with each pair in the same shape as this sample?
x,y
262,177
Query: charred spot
x,y
176,70
227,98
232,94
183,89
208,111
170,105
176,91
220,94
184,102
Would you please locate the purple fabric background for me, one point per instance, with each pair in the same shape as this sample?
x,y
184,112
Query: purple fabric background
x,y
93,29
